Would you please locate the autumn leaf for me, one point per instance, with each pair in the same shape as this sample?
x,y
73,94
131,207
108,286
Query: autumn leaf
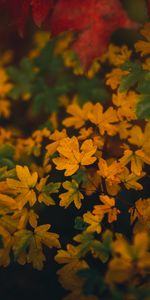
x,y
143,46
111,172
130,180
45,191
113,79
7,201
136,158
139,138
141,210
73,194
24,217
22,239
9,223
122,267
7,243
27,246
51,148
20,11
71,157
24,186
104,120
78,115
108,207
43,236
126,104
40,10
93,221
94,26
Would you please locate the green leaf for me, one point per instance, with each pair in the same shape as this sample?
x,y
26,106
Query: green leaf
x,y
80,224
85,240
93,281
144,86
4,173
136,75
143,107
91,89
22,241
103,249
8,223
80,176
42,62
52,187
7,151
7,162
22,77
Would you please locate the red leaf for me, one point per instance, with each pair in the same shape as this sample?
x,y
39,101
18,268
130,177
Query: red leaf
x,y
95,20
71,15
40,10
19,11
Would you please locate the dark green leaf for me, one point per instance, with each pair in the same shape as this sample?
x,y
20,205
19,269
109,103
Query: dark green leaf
x,y
143,107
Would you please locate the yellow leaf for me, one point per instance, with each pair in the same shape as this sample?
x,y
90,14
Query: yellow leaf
x,y
47,190
144,46
36,256
24,186
107,208
130,180
22,239
8,202
66,256
49,239
25,177
109,202
79,115
111,172
113,79
126,105
73,194
136,159
56,137
104,120
93,221
142,207
71,157
24,216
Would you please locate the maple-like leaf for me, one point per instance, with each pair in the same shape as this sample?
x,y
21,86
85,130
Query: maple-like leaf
x,y
46,190
111,172
93,221
108,207
104,120
73,194
94,25
24,186
137,159
78,115
143,46
27,246
6,201
71,157
24,217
